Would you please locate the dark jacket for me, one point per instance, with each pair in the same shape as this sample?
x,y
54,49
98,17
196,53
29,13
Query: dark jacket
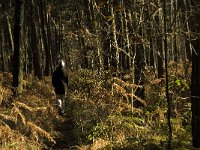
x,y
59,79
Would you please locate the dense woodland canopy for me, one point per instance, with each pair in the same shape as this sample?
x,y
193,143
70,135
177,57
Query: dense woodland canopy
x,y
127,44
100,35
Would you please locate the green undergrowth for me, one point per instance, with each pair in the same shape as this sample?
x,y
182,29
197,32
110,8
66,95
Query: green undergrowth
x,y
106,121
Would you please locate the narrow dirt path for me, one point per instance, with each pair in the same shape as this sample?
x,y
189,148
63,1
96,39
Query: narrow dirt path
x,y
66,137
64,128
66,140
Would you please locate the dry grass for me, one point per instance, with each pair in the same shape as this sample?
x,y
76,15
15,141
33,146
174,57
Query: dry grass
x,y
101,116
104,116
22,118
38,131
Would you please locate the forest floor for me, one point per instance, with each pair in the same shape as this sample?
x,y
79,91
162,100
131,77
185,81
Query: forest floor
x,y
98,114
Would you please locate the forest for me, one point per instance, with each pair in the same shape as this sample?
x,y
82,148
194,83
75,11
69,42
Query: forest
x,y
133,68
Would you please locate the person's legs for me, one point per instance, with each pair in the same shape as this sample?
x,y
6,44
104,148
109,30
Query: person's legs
x,y
61,102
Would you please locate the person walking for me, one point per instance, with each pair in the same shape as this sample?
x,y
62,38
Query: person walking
x,y
59,82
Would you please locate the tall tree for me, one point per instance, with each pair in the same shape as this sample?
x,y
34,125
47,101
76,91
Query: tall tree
x,y
18,57
140,55
42,10
169,102
7,43
105,35
35,41
195,78
96,30
160,57
83,48
2,67
139,70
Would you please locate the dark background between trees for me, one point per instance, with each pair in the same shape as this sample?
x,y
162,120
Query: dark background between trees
x,y
122,37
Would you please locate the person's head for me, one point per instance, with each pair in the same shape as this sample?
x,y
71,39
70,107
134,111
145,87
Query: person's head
x,y
61,64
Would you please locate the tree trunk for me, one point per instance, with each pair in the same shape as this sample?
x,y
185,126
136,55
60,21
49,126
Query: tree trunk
x,y
195,79
195,94
2,52
44,38
185,7
115,46
10,36
18,58
106,42
49,37
34,43
169,101
7,33
127,46
83,49
160,58
139,68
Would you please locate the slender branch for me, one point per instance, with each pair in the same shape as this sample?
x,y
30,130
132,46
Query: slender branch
x,y
169,103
